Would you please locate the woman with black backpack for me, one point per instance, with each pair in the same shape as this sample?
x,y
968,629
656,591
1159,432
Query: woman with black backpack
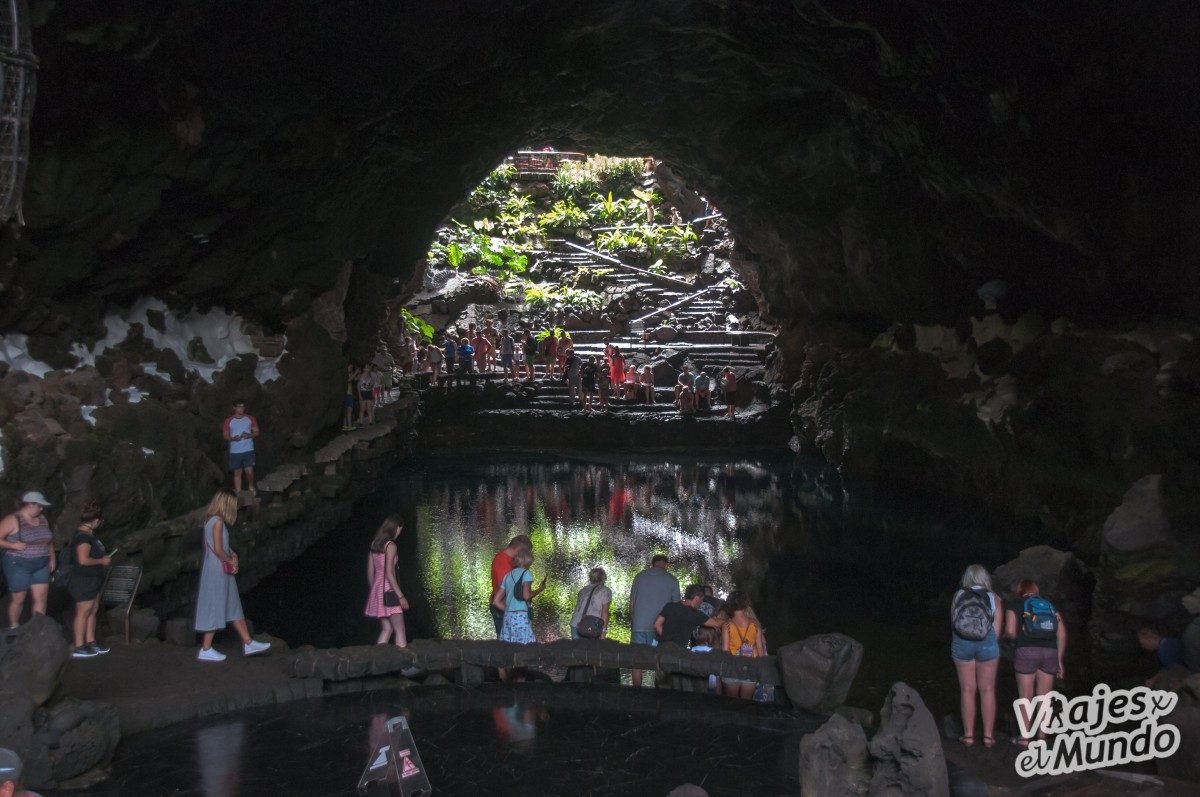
x,y
1041,642
975,614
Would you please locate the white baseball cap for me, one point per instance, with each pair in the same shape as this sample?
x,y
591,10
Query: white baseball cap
x,y
34,497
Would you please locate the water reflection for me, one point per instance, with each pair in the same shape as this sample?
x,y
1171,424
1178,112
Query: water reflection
x,y
580,516
219,758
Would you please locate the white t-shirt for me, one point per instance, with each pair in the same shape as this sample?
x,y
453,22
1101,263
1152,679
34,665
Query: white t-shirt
x,y
595,607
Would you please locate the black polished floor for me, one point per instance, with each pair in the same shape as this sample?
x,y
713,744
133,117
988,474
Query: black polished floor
x,y
536,739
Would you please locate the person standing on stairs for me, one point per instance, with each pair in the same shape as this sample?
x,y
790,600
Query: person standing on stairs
x,y
550,352
731,387
239,430
508,363
572,368
588,374
435,355
483,348
603,383
529,350
617,372
489,334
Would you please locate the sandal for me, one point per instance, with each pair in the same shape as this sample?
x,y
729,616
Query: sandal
x,y
1021,742
968,741
989,742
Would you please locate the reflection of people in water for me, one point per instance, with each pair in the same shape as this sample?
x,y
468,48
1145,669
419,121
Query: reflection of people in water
x,y
516,725
219,755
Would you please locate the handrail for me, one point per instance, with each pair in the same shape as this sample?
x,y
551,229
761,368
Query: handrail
x,y
635,269
673,305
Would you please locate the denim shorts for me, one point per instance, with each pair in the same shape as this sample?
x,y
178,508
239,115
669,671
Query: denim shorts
x,y
643,638
21,571
970,650
242,459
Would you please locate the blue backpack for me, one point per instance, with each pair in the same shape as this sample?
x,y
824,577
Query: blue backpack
x,y
1038,618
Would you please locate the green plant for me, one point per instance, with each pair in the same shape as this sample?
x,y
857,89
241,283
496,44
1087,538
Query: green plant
x,y
545,333
540,296
732,283
564,215
580,299
491,194
574,181
416,325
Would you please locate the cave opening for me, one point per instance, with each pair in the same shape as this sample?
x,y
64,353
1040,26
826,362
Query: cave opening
x,y
960,240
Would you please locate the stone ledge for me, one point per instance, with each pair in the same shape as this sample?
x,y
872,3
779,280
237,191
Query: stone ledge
x,y
430,654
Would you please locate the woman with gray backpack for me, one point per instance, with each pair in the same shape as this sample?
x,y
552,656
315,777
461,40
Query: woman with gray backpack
x,y
590,620
975,615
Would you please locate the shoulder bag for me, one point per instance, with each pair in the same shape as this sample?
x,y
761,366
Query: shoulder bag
x,y
590,626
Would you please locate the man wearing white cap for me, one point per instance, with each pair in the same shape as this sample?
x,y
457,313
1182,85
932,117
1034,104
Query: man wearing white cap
x,y
27,542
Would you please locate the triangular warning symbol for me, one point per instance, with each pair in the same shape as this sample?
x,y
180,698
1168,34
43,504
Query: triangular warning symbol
x,y
407,768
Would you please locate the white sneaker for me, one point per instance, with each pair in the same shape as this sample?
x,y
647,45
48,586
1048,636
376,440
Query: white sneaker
x,y
254,647
212,654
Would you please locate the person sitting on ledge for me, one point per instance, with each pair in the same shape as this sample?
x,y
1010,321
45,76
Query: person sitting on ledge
x,y
648,384
703,386
684,381
687,402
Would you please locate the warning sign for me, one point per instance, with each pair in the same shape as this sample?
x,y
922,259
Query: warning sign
x,y
407,768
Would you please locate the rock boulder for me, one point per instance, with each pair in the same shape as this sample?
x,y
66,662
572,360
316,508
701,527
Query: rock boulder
x,y
1060,576
818,671
32,658
1140,522
833,759
907,750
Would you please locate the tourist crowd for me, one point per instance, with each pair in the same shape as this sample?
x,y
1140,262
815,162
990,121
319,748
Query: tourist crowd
x,y
594,381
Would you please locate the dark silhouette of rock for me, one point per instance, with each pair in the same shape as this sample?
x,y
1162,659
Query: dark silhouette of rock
x,y
1141,521
907,749
32,658
1060,576
833,759
819,671
1185,763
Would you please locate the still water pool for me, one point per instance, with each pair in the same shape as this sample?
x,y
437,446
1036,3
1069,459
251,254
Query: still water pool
x,y
815,554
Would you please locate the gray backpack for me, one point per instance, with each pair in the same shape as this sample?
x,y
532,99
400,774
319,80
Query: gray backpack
x,y
973,618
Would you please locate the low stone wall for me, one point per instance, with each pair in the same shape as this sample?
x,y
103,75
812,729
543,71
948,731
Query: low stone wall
x,y
471,656
297,504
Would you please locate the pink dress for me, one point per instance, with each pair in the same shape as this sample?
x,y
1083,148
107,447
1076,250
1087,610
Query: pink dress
x,y
379,585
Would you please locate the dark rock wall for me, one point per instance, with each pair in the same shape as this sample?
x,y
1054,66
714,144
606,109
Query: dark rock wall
x,y
882,161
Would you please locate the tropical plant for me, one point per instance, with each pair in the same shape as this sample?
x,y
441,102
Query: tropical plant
x,y
539,296
490,195
416,326
564,215
574,181
580,299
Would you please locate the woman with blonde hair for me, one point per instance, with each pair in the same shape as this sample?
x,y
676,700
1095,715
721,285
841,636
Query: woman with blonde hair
x,y
386,602
515,592
975,614
217,601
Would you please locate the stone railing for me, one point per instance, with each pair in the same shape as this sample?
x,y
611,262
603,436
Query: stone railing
x,y
472,657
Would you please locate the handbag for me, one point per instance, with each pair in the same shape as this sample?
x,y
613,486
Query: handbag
x,y
590,626
226,566
391,599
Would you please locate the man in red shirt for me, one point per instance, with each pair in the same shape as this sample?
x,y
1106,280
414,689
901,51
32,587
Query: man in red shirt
x,y
502,563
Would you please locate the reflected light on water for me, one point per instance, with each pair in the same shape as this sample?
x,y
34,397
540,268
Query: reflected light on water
x,y
578,517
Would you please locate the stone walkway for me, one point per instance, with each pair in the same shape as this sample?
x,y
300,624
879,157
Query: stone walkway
x,y
154,684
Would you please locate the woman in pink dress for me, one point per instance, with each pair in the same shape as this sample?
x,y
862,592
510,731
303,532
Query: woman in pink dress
x,y
617,372
386,602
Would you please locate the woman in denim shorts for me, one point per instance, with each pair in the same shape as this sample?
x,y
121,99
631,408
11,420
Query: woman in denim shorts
x,y
27,542
976,661
1037,661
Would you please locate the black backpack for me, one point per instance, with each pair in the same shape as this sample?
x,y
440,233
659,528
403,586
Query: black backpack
x,y
66,565
973,618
